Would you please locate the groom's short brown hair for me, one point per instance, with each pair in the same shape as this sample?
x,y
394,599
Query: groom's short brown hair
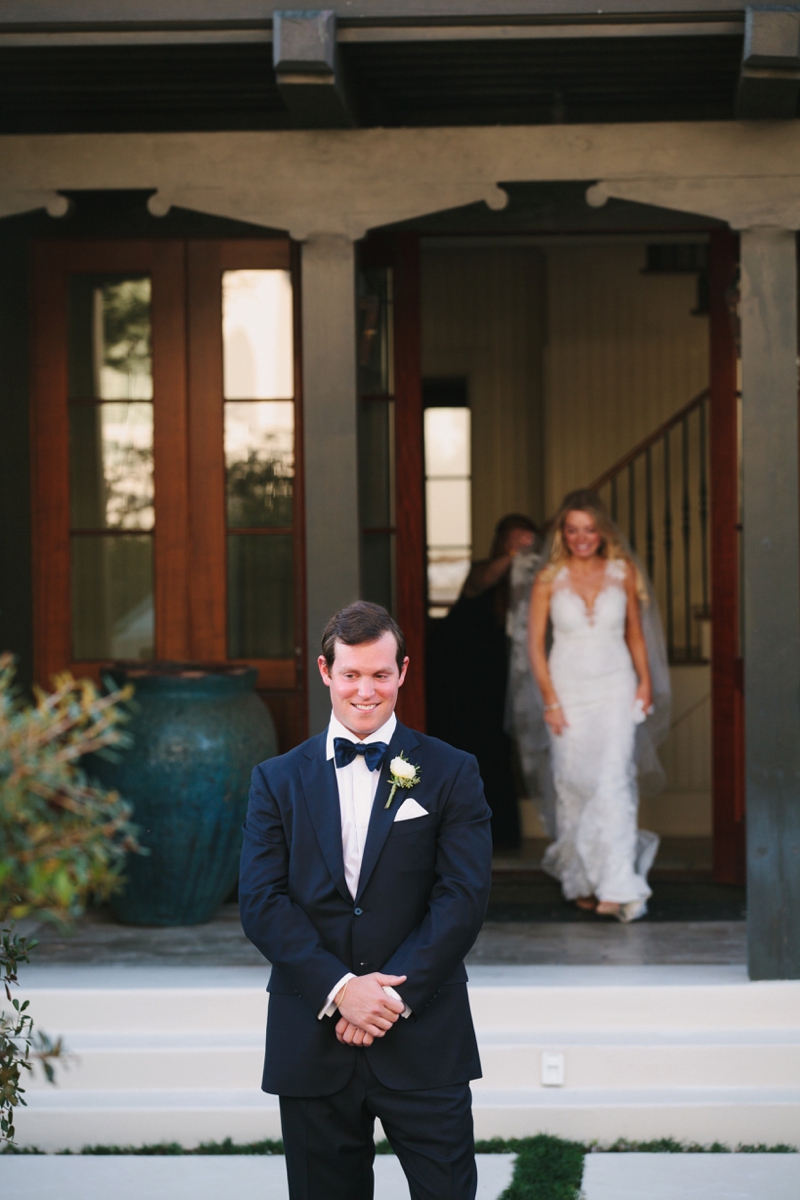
x,y
358,624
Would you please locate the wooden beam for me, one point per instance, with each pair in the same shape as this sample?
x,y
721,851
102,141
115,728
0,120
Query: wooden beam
x,y
187,14
603,27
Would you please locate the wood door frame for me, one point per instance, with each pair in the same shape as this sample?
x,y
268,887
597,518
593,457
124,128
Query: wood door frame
x,y
401,252
206,261
53,262
727,682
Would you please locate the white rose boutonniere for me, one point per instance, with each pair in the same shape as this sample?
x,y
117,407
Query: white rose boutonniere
x,y
402,774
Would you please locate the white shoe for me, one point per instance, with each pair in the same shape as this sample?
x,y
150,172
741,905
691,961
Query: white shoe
x,y
631,911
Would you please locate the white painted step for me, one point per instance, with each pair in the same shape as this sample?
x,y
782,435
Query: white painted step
x,y
141,998
176,1053
510,1058
732,1116
58,1119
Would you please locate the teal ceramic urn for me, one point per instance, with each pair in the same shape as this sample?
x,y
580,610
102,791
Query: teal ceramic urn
x,y
197,731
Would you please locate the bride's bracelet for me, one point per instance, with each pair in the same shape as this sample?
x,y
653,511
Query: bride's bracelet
x,y
551,707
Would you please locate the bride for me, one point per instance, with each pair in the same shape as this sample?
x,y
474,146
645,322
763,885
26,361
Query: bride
x,y
596,688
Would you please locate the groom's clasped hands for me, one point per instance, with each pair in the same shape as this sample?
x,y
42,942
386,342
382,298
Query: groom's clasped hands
x,y
367,1010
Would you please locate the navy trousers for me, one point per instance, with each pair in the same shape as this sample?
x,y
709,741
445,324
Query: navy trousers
x,y
328,1140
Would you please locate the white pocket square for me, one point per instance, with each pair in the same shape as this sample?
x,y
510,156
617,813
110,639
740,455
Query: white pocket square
x,y
410,809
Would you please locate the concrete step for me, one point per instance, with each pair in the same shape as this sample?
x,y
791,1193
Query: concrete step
x,y
176,1054
511,1058
696,1114
535,998
58,1119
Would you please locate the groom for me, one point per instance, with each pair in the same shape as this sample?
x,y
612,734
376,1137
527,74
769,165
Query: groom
x,y
365,897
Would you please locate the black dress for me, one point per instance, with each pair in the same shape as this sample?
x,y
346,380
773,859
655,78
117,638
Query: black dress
x,y
467,681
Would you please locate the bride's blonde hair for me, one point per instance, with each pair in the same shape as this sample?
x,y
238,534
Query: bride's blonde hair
x,y
610,548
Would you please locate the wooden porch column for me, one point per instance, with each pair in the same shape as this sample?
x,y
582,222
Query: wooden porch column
x,y
771,554
727,701
330,445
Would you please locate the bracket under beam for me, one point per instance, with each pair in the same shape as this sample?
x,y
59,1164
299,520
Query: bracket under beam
x,y
308,69
769,82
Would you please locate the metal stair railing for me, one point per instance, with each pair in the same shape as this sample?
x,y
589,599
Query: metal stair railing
x,y
658,494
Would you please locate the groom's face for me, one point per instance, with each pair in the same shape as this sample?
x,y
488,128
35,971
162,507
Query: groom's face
x,y
364,682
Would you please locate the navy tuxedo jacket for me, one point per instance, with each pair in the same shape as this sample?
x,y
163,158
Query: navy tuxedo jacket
x,y
421,900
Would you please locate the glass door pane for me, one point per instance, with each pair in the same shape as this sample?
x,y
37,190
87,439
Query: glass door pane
x,y
259,432
111,466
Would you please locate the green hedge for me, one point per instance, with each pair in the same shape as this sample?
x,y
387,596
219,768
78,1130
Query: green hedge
x,y
547,1168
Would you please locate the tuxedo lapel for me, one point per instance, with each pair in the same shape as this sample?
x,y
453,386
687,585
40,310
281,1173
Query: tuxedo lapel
x,y
381,817
322,799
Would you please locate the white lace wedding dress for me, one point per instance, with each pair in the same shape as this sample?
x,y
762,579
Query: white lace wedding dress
x,y
598,850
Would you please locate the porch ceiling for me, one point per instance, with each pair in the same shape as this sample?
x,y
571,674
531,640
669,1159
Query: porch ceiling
x,y
103,75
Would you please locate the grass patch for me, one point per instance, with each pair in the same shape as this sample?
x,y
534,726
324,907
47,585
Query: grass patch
x,y
547,1168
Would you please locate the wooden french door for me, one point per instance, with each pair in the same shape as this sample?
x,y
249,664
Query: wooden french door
x,y
391,472
167,504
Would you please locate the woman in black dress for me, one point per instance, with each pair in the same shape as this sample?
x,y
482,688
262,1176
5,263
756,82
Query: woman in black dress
x,y
468,658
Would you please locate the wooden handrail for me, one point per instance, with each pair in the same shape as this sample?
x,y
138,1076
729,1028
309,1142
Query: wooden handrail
x,y
654,437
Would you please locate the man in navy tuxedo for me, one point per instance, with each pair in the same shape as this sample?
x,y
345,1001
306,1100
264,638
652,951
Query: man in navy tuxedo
x,y
365,898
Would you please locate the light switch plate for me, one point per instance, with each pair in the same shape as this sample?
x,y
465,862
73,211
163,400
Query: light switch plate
x,y
552,1069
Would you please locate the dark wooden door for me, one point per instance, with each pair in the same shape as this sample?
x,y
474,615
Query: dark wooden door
x,y
391,446
167,503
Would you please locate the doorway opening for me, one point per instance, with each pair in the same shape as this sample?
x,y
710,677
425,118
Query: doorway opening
x,y
585,361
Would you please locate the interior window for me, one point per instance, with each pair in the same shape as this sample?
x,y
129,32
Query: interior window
x,y
448,503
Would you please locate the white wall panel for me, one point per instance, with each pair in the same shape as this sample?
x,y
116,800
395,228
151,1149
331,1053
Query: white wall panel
x,y
623,354
483,318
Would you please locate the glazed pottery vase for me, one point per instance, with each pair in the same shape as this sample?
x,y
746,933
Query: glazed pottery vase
x,y
198,730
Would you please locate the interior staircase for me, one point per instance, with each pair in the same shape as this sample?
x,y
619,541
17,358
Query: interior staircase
x,y
174,1054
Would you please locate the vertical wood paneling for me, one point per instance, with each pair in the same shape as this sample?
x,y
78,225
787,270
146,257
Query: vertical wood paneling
x,y
623,354
483,317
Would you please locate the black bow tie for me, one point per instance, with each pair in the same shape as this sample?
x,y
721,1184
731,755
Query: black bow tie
x,y
345,751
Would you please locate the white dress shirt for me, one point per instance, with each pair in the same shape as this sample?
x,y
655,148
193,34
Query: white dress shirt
x,y
357,786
